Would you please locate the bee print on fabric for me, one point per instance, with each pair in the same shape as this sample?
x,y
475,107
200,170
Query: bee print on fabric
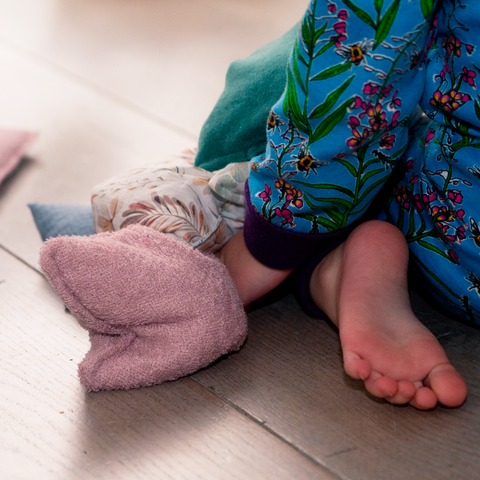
x,y
475,231
356,53
305,161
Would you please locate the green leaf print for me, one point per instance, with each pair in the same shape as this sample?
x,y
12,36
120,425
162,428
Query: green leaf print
x,y
290,103
348,165
298,76
320,32
427,7
361,14
328,186
339,202
369,189
307,33
327,46
411,222
332,71
328,224
378,5
298,53
330,101
334,214
370,174
433,248
386,23
423,226
331,121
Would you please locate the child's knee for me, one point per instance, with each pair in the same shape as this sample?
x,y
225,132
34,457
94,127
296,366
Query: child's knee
x,y
380,236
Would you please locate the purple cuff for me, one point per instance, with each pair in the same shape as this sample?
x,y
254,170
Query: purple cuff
x,y
277,247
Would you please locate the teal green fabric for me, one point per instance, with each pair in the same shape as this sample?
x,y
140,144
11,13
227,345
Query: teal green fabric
x,y
236,131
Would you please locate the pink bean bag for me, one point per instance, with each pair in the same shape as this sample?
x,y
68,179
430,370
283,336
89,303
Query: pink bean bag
x,y
13,145
156,309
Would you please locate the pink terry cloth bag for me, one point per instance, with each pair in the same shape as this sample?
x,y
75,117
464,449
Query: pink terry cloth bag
x,y
155,308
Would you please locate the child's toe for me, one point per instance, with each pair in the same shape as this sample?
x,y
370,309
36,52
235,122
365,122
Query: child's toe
x,y
381,386
447,384
355,366
405,392
425,399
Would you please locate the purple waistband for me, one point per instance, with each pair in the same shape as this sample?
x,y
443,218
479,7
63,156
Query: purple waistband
x,y
277,247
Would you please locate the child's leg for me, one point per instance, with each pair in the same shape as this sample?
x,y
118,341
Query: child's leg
x,y
383,342
252,278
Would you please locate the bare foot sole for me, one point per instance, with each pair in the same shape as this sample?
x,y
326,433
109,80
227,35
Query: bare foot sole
x,y
362,287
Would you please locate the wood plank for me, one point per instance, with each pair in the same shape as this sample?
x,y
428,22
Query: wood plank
x,y
167,58
84,139
289,376
52,429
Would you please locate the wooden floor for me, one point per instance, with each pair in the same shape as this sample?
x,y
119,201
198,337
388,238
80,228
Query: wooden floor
x,y
113,84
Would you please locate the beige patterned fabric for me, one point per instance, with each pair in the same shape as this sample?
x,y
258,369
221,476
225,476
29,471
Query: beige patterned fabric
x,y
201,208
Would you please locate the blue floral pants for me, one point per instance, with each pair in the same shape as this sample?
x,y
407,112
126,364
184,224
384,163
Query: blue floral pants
x,y
376,87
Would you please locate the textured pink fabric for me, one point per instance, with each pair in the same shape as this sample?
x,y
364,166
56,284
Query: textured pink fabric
x,y
156,309
13,145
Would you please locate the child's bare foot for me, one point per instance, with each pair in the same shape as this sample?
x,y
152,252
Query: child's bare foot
x,y
362,287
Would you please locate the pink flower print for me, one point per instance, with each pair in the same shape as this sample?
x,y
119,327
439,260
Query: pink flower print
x,y
439,100
456,47
457,99
386,91
293,196
429,197
371,88
457,236
453,257
402,196
377,116
429,136
342,14
469,76
266,194
444,214
418,203
395,102
452,45
281,184
470,48
443,73
286,214
454,196
353,122
413,179
358,138
340,27
338,39
394,121
387,141
409,166
332,7
359,103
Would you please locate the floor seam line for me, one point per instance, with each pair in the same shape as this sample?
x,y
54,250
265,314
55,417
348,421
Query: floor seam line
x,y
267,428
9,252
135,108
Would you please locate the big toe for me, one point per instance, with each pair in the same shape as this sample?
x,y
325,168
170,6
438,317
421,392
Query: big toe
x,y
448,385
